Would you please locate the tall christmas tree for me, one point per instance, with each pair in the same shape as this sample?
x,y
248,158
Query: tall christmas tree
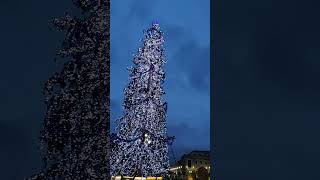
x,y
139,146
75,132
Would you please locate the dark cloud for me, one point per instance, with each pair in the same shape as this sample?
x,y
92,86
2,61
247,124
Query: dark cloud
x,y
195,62
174,35
140,9
189,62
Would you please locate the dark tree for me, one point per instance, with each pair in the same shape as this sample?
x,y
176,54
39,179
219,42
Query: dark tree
x,y
76,126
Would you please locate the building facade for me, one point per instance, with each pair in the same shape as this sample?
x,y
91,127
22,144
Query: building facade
x,y
192,166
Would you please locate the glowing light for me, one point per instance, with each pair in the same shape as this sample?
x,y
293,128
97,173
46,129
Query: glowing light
x,y
143,121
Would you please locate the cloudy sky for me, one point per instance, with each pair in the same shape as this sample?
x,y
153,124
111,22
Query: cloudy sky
x,y
187,34
28,47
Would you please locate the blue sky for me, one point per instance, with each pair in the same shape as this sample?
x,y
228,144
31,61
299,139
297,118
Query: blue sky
x,y
187,47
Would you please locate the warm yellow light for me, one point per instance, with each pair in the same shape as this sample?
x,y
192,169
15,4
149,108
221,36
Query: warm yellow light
x,y
175,168
118,178
151,178
140,178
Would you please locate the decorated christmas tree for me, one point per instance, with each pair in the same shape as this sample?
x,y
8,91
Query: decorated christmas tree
x,y
75,132
140,143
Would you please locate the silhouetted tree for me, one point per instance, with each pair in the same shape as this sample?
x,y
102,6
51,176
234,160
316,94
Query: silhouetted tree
x,y
76,126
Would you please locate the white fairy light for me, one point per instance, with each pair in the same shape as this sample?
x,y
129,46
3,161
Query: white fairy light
x,y
143,124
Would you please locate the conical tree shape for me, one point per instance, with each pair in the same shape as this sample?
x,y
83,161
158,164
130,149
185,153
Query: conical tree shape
x,y
140,147
76,125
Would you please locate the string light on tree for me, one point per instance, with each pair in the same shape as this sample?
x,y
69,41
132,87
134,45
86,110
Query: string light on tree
x,y
140,144
75,132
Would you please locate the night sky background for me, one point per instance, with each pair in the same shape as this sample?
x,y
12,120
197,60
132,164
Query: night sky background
x,y
28,47
186,27
266,72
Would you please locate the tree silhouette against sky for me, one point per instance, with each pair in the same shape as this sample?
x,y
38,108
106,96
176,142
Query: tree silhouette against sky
x,y
75,131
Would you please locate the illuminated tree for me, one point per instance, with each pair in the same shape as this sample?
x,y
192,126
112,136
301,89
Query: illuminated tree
x,y
140,144
75,132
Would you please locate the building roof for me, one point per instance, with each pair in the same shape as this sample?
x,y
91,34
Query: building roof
x,y
203,152
192,155
197,154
